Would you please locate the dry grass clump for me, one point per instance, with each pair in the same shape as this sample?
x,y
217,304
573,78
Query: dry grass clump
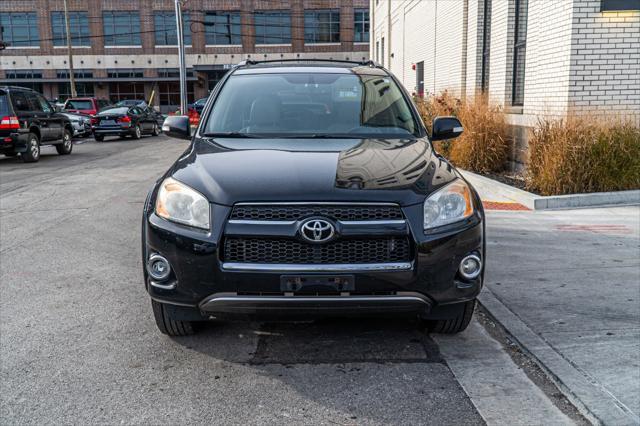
x,y
583,154
484,145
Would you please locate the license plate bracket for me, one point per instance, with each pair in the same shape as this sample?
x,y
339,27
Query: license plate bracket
x,y
317,283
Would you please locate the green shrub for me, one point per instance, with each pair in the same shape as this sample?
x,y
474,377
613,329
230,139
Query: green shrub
x,y
583,154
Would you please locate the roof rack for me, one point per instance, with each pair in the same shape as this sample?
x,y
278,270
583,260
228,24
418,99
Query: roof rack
x,y
343,61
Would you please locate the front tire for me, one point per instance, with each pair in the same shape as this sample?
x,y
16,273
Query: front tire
x,y
32,154
456,324
66,146
169,326
137,133
98,138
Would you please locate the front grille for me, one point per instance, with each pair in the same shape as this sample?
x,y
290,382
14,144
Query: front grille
x,y
296,212
289,251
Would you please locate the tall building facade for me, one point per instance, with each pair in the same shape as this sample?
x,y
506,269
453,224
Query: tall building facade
x,y
533,57
125,49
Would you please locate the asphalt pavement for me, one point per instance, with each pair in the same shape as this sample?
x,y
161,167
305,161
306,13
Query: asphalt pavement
x,y
78,343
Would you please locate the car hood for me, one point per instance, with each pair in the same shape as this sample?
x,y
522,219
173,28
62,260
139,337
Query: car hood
x,y
228,170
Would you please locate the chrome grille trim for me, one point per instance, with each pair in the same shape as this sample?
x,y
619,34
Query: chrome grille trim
x,y
363,267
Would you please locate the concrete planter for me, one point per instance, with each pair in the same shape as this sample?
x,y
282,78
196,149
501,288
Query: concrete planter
x,y
491,189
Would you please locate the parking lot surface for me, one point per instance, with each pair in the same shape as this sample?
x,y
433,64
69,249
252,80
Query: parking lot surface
x,y
78,343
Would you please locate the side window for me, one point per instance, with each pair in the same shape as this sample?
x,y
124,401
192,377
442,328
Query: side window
x,y
19,102
34,102
44,104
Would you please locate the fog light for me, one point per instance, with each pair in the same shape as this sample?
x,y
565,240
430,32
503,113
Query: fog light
x,y
470,267
158,267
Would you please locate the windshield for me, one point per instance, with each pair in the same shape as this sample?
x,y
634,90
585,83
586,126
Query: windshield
x,y
111,111
311,105
78,104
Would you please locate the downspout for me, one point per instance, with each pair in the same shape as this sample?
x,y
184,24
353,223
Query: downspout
x,y
465,38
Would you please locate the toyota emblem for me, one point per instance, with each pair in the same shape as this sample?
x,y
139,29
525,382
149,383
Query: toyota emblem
x,y
317,230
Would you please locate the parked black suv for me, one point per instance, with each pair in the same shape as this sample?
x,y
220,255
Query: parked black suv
x,y
27,121
312,189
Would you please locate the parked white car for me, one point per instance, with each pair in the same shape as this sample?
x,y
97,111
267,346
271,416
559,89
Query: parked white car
x,y
81,123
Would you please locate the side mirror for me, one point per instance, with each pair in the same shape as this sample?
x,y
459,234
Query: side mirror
x,y
177,126
445,128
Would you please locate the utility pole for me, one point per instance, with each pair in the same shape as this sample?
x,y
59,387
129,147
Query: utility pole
x,y
72,77
181,59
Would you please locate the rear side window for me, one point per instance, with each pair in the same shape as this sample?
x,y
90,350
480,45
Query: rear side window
x,y
4,105
79,104
20,103
34,102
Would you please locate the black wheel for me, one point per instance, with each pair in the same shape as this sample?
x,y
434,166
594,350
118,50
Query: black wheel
x,y
137,132
33,149
454,325
99,138
155,131
169,326
66,146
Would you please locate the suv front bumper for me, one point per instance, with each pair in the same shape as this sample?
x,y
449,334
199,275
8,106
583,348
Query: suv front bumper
x,y
201,282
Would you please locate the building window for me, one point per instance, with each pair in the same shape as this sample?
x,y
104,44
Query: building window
x,y
273,27
420,79
125,73
166,31
169,94
486,44
82,89
519,52
222,28
619,5
121,28
361,26
23,74
382,51
76,73
322,26
172,73
78,24
125,90
20,29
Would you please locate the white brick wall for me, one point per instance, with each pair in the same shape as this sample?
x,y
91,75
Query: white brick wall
x,y
577,58
548,56
605,60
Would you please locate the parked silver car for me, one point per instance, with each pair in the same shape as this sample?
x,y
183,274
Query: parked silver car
x,y
81,123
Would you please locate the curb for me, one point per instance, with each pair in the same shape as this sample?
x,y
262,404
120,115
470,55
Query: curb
x,y
539,202
592,399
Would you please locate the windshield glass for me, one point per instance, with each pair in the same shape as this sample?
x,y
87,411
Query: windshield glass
x,y
78,104
111,111
311,104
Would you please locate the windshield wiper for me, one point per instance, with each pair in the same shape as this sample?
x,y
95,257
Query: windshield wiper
x,y
230,135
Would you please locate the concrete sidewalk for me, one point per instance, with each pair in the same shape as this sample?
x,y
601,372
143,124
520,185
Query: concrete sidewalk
x,y
566,285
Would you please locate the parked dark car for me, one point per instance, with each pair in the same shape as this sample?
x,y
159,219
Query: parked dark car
x,y
158,117
312,189
88,106
124,121
198,105
28,121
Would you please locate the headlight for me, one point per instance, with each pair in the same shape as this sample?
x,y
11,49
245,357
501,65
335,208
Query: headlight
x,y
449,204
179,203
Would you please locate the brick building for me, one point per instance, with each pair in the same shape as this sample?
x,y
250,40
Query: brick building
x,y
534,57
127,48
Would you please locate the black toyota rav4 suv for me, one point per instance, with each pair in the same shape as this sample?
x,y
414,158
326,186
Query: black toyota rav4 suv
x,y
27,121
312,189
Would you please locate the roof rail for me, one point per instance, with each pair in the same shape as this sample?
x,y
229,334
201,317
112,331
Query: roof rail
x,y
271,61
